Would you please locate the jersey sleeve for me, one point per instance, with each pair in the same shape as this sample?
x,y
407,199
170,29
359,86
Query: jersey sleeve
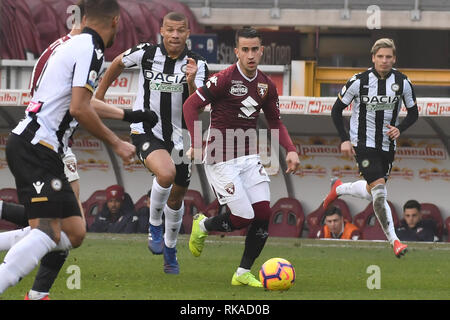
x,y
409,98
214,88
271,106
202,73
87,68
133,56
349,91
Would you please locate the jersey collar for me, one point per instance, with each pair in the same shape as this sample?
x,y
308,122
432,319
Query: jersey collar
x,y
245,77
97,39
378,75
180,57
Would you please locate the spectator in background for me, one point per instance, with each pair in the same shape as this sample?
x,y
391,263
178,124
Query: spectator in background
x,y
412,227
336,227
118,215
144,215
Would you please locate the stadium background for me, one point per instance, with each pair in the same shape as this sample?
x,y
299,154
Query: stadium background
x,y
312,48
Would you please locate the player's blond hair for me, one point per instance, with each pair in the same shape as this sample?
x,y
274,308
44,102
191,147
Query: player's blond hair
x,y
383,43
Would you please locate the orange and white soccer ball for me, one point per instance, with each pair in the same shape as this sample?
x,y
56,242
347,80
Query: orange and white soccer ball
x,y
277,274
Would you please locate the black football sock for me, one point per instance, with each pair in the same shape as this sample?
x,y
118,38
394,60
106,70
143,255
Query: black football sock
x,y
14,213
51,263
254,242
220,222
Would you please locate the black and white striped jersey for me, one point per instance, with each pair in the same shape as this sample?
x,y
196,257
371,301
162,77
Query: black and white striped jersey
x,y
377,103
163,88
77,62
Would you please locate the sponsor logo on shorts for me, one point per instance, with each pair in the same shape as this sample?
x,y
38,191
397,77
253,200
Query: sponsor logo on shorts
x,y
56,184
38,186
145,146
365,163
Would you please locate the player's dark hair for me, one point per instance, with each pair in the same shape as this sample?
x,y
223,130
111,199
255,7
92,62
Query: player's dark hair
x,y
101,9
247,32
332,210
176,16
412,204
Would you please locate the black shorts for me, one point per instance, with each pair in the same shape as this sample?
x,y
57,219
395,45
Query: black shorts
x,y
41,183
147,143
374,164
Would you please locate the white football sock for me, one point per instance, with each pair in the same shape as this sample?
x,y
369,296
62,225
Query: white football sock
x,y
1,208
383,212
240,271
23,257
36,295
64,243
10,238
201,224
356,189
172,224
158,200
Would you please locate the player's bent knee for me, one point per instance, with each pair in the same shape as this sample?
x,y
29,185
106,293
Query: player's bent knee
x,y
166,178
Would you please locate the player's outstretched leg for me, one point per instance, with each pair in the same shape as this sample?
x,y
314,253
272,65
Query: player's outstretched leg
x,y
357,189
332,195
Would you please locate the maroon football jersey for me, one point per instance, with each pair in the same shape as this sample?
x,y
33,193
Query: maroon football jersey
x,y
236,102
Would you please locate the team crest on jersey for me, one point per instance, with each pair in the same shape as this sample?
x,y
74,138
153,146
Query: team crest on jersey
x,y
395,87
230,188
262,89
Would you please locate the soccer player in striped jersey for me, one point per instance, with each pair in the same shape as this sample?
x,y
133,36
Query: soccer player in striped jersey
x,y
377,96
61,99
53,261
169,73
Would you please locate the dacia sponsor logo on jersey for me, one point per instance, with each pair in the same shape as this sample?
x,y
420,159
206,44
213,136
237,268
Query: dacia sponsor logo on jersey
x,y
375,103
165,82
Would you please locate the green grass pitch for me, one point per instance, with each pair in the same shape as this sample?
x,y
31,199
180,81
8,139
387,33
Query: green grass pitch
x,y
120,267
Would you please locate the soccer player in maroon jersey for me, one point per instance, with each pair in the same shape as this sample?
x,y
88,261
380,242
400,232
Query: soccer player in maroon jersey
x,y
235,172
